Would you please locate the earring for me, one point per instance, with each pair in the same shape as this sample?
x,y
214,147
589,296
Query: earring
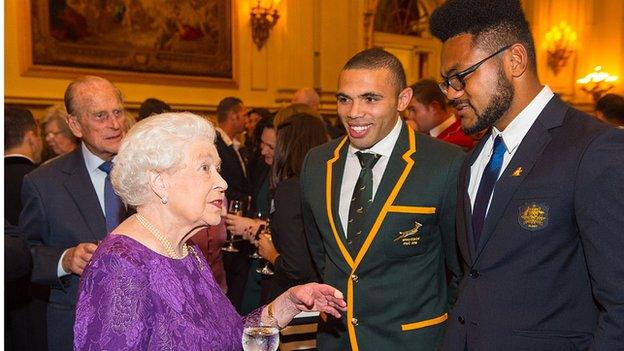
x,y
164,200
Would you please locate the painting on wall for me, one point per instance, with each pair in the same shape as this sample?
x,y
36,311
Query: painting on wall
x,y
161,38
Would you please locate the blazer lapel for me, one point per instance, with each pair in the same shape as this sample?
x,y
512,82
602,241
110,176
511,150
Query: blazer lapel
x,y
528,152
467,207
79,186
333,183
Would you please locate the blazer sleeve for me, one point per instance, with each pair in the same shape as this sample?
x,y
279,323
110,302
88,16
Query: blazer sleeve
x,y
448,228
599,209
313,235
34,224
294,263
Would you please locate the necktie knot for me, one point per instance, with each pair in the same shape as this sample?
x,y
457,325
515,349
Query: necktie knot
x,y
367,160
106,167
499,147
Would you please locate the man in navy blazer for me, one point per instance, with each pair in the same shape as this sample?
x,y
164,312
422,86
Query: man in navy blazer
x,y
63,212
540,200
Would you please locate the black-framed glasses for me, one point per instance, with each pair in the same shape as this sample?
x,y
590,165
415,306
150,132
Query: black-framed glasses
x,y
457,81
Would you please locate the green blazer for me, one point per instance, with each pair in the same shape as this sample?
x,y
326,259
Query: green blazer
x,y
396,286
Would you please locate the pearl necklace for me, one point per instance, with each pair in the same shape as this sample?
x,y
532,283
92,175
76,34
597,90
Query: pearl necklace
x,y
163,240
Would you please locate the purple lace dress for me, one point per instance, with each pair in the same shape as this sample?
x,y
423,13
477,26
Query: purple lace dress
x,y
131,298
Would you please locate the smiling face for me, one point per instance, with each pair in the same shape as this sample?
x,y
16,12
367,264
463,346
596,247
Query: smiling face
x,y
267,145
196,191
488,93
369,104
99,117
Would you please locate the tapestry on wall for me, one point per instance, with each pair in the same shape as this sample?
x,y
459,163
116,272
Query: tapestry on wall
x,y
182,37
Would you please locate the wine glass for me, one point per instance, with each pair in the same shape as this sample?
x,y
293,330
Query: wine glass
x,y
255,255
266,270
236,207
260,334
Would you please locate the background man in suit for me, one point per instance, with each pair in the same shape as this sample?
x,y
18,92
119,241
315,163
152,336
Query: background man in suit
x,y
231,115
378,207
540,199
67,207
24,302
428,109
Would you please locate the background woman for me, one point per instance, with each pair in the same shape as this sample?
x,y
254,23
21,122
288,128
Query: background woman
x,y
56,132
145,287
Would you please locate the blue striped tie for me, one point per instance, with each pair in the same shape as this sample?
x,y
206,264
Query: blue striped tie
x,y
486,187
113,207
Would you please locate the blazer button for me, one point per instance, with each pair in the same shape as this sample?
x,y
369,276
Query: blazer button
x,y
474,274
354,278
354,321
461,320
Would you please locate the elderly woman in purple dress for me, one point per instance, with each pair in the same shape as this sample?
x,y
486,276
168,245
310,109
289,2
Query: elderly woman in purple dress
x,y
146,287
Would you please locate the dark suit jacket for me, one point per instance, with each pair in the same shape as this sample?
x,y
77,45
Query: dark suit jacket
x,y
61,210
232,171
294,265
548,271
396,290
15,168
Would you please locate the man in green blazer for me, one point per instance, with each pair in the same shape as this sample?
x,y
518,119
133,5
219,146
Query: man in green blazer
x,y
379,211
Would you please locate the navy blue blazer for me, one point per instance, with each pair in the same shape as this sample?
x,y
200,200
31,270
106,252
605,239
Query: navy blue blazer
x,y
548,273
60,210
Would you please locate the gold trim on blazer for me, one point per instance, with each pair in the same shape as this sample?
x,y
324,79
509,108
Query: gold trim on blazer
x,y
375,228
412,209
425,323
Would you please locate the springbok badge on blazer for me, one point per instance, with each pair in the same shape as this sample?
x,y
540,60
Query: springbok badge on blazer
x,y
408,237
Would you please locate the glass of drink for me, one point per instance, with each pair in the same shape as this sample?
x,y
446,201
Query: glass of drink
x,y
266,270
260,334
255,255
236,207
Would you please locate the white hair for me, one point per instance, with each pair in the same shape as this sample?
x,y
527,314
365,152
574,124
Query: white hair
x,y
157,143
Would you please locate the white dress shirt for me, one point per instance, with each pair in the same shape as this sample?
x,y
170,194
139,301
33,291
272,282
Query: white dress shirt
x,y
512,137
352,170
98,177
235,144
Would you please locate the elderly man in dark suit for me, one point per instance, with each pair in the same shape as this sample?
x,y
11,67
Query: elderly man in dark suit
x,y
69,204
540,200
378,208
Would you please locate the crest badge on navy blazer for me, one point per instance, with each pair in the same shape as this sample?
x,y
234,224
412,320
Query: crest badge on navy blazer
x,y
533,216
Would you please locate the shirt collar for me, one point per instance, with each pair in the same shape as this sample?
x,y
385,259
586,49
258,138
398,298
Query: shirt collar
x,y
519,126
385,146
437,130
226,138
91,160
19,155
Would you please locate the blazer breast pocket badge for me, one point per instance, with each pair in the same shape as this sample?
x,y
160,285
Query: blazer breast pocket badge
x,y
409,237
533,216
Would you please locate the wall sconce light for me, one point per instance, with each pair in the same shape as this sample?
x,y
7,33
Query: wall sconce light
x,y
560,44
264,16
597,83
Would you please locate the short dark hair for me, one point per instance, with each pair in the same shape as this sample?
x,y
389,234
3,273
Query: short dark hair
x,y
152,106
377,58
225,106
612,107
427,91
69,92
493,23
295,137
17,121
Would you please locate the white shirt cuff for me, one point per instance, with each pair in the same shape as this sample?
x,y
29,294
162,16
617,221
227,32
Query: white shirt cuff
x,y
60,272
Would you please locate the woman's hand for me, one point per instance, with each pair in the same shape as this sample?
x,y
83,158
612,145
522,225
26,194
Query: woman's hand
x,y
266,249
246,227
307,297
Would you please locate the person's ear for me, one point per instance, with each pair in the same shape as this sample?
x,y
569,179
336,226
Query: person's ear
x,y
405,96
74,125
159,184
519,60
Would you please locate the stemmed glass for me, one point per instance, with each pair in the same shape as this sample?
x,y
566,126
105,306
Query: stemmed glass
x,y
236,207
260,334
255,255
266,270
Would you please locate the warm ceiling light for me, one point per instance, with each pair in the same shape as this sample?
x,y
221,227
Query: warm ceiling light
x,y
264,16
560,44
597,83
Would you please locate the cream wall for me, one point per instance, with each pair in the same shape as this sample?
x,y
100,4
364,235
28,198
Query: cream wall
x,y
311,42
